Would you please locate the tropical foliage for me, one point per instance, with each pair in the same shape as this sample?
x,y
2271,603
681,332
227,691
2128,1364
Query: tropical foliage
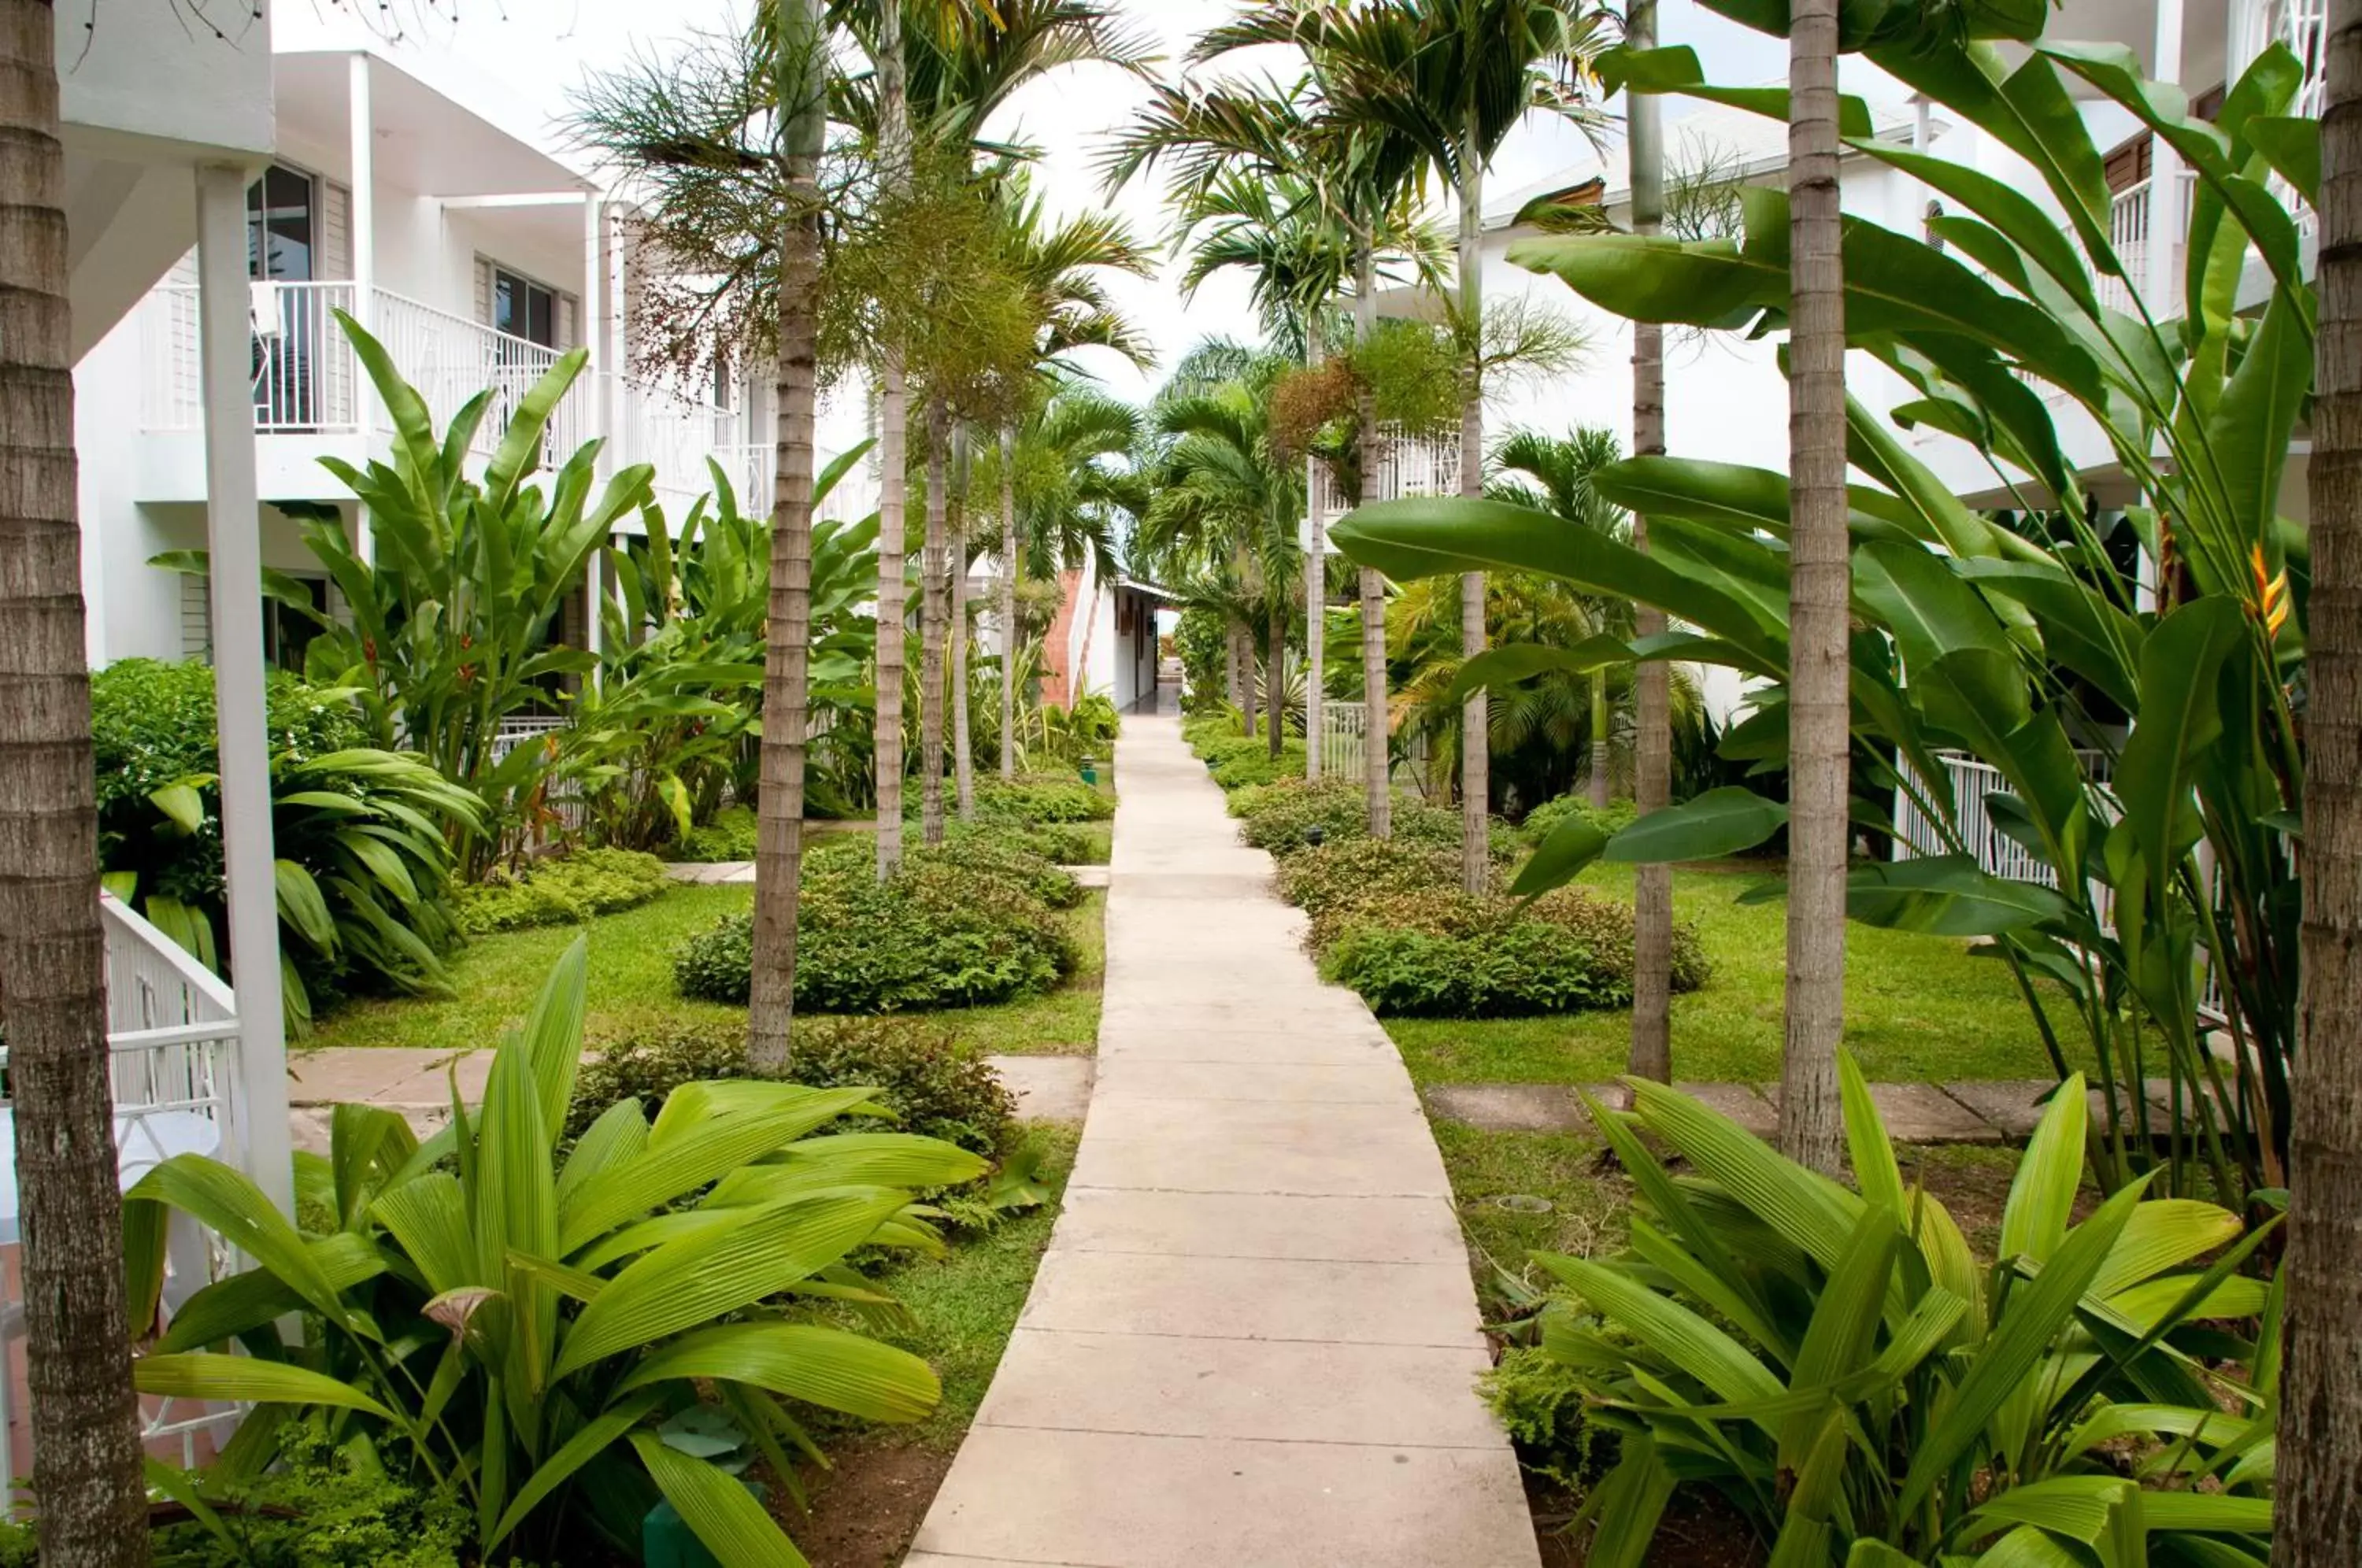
x,y
363,837
2015,638
523,1324
1832,1362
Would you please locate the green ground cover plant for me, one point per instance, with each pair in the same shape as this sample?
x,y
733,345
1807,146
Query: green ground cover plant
x,y
562,889
728,835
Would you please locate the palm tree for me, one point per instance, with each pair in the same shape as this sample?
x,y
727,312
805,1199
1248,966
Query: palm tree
x,y
1819,596
2319,1491
1359,174
1453,78
1554,474
1652,886
86,1460
1227,497
799,56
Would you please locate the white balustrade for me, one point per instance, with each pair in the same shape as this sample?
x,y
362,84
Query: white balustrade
x,y
1407,466
450,359
1344,728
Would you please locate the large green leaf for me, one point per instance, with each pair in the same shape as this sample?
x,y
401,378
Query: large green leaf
x,y
1946,896
1719,823
822,1366
244,1380
2180,715
714,1505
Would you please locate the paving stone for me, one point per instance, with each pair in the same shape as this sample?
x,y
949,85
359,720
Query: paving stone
x,y
708,872
1373,1082
1923,1113
352,1075
1257,1225
1048,1088
1180,1385
1089,876
1137,1118
1322,1301
1212,1165
1139,1041
1509,1108
2011,1106
1115,1500
1744,1103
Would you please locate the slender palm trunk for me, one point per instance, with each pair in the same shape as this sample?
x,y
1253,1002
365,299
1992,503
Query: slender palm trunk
x,y
1598,760
1372,585
934,612
1818,587
1653,740
963,733
1007,604
1475,739
1316,583
86,1462
2319,1490
1275,680
1231,686
787,671
893,480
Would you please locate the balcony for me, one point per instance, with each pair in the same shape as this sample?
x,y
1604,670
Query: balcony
x,y
1407,466
309,386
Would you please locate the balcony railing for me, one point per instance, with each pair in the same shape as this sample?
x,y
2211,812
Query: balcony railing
x,y
450,359
1407,466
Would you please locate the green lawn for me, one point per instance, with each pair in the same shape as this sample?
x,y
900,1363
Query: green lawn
x,y
495,979
1917,1007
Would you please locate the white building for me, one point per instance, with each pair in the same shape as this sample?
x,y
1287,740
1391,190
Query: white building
x,y
479,252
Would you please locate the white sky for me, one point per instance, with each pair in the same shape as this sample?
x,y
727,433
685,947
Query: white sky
x,y
541,49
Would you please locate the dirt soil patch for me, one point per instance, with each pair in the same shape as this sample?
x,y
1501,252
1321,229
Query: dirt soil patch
x,y
868,1506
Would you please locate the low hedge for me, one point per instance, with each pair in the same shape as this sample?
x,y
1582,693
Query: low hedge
x,y
934,1084
1610,819
1037,799
1278,815
561,890
1390,920
936,935
1011,852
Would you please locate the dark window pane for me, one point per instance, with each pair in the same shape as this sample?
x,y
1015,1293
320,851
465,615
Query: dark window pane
x,y
279,227
506,313
543,328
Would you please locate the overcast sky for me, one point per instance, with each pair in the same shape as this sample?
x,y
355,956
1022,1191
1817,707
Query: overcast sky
x,y
541,49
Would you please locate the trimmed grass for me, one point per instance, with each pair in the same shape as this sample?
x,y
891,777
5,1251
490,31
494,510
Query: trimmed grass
x,y
966,1303
1918,1008
495,979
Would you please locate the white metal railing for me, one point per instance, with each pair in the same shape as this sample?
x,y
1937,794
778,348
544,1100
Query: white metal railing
x,y
450,359
1407,466
305,377
2303,26
675,435
1344,729
173,1053
519,728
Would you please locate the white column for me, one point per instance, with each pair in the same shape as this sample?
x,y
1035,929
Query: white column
x,y
2166,221
603,391
362,127
234,536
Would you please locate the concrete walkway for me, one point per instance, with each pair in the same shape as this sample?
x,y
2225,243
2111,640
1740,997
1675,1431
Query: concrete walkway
x,y
1253,1341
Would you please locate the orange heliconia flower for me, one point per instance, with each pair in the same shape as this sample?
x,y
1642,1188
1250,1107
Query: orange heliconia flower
x,y
2271,594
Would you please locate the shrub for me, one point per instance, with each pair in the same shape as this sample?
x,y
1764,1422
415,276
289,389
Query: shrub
x,y
1539,1402
322,1506
1615,816
934,1084
1278,815
561,890
460,1253
729,836
1041,798
935,936
1340,876
1032,858
352,918
1245,769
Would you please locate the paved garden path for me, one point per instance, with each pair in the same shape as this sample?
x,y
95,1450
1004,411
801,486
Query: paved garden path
x,y
1252,1342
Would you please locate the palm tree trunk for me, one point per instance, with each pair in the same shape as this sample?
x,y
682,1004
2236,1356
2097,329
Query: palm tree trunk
x,y
786,664
1242,654
1230,670
1475,739
2318,1501
1653,740
1275,680
1819,720
933,612
1599,738
1009,569
962,735
893,480
86,1460
1316,583
1379,797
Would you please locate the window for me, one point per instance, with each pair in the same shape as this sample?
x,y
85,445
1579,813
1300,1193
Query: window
x,y
287,632
523,308
281,226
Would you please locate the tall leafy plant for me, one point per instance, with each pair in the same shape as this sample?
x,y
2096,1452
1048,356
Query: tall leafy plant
x,y
513,1319
2169,837
1834,1364
451,613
